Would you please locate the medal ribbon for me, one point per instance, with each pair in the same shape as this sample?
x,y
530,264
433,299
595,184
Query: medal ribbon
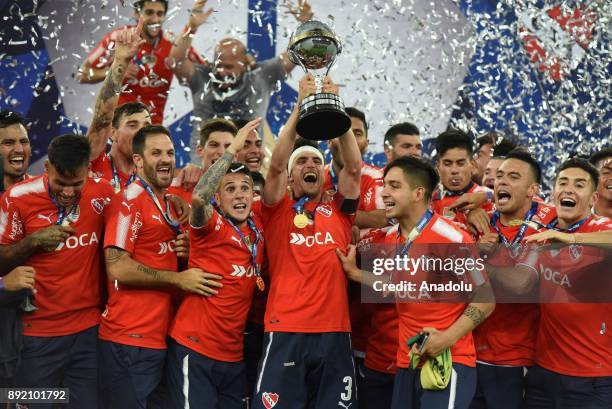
x,y
571,228
61,212
116,182
524,226
252,249
415,232
166,214
298,207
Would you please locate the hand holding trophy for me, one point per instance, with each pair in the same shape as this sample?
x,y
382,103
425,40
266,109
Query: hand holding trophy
x,y
314,46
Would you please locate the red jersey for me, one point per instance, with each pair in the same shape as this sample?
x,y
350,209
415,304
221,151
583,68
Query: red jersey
x,y
139,316
413,316
371,185
152,82
176,189
214,326
308,287
573,339
103,167
68,292
443,199
508,336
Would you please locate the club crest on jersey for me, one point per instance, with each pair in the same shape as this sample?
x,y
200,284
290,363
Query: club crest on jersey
x,y
98,204
269,399
325,210
575,252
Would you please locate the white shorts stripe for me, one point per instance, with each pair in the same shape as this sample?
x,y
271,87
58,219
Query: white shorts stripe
x,y
453,390
186,380
263,365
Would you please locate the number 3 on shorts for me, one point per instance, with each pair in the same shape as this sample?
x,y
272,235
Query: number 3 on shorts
x,y
346,396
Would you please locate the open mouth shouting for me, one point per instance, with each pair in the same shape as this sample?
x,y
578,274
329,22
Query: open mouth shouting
x,y
311,178
17,162
164,171
503,197
567,202
254,162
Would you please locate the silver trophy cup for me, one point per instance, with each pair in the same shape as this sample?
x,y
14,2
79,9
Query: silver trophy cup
x,y
314,46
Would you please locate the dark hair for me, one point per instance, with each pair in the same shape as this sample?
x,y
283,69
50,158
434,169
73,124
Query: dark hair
x,y
417,170
355,113
8,118
239,167
69,153
405,128
524,155
454,138
258,178
581,164
486,139
305,142
503,148
603,153
216,125
127,109
140,139
139,4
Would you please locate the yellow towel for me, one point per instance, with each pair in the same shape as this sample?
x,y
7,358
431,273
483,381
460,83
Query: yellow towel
x,y
436,372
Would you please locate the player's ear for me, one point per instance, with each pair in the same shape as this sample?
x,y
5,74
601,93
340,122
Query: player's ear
x,y
217,197
593,199
138,160
533,190
47,165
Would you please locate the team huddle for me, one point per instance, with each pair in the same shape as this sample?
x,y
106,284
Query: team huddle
x,y
135,284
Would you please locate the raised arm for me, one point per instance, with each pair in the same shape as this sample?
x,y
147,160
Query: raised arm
x,y
126,46
349,177
90,75
182,66
201,208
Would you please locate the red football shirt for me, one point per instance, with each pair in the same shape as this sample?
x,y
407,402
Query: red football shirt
x,y
152,83
413,316
308,287
102,167
68,278
508,336
442,200
573,339
214,326
371,185
139,316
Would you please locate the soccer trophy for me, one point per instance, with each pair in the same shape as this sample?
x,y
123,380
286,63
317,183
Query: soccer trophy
x,y
314,46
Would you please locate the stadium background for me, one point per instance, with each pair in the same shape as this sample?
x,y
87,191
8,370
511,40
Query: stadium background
x,y
538,71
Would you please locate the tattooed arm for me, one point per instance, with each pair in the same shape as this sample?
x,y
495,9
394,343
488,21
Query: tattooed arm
x,y
201,209
121,267
126,46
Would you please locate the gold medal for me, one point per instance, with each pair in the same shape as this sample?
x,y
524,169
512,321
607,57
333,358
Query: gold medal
x,y
300,220
260,283
515,222
65,222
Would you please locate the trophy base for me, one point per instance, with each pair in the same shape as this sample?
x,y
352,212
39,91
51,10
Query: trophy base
x,y
322,117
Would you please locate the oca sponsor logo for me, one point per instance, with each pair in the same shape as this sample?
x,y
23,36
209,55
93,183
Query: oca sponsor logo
x,y
84,240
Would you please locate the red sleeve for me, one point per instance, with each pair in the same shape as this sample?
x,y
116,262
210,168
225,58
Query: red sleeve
x,y
214,223
124,224
102,55
11,225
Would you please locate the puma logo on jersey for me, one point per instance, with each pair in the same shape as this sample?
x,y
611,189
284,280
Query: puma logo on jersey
x,y
83,240
156,217
47,218
167,247
129,206
318,238
241,271
237,240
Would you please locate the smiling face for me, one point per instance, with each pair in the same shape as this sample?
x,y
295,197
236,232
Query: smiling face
x,y
154,13
488,179
252,153
574,195
66,188
404,145
230,63
514,186
156,165
307,175
214,148
455,169
16,150
128,126
235,196
398,195
604,188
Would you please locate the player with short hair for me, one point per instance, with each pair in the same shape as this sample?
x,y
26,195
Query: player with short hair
x,y
505,342
15,149
409,183
148,74
402,139
307,356
206,361
455,164
54,224
573,354
143,248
